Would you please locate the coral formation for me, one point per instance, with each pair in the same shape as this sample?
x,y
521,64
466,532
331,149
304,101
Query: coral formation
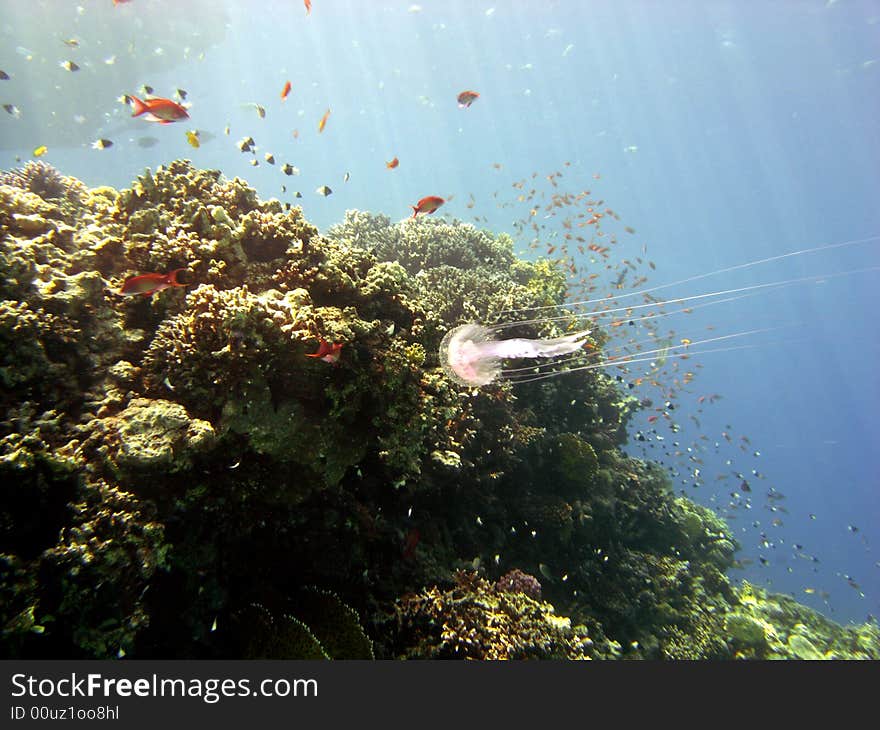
x,y
317,625
43,180
773,626
474,620
515,581
178,478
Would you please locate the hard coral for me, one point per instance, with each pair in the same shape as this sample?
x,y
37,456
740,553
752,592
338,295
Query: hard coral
x,y
423,243
457,272
44,180
182,216
515,581
789,630
474,620
103,564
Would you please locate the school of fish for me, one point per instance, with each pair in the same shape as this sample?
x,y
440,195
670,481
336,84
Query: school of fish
x,y
581,232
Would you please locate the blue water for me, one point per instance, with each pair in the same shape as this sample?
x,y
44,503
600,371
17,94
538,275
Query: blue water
x,y
723,132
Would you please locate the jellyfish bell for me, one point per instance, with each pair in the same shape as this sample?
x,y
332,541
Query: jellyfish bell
x,y
471,354
462,358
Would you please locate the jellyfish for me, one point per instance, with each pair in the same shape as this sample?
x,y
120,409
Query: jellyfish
x,y
472,354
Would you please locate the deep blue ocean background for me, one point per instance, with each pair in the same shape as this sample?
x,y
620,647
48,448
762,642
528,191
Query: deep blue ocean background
x,y
722,132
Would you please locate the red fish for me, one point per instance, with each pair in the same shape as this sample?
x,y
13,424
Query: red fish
x,y
149,284
427,205
323,122
326,351
466,98
308,4
285,91
394,163
159,110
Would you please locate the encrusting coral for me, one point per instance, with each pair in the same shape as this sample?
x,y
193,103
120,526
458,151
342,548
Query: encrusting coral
x,y
274,446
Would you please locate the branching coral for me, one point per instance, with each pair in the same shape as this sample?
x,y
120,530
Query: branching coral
x,y
474,620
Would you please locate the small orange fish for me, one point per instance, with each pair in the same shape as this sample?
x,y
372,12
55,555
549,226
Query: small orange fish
x,y
285,91
149,284
326,351
466,98
394,163
427,205
159,110
308,4
323,122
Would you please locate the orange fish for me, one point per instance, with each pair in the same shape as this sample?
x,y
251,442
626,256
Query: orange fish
x,y
323,122
466,98
159,110
326,351
427,205
285,91
149,284
308,4
394,163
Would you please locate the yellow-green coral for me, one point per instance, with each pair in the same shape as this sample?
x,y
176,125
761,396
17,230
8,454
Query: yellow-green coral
x,y
794,631
474,620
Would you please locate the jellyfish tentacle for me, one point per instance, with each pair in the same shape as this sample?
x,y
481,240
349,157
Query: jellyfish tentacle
x,y
726,270
521,347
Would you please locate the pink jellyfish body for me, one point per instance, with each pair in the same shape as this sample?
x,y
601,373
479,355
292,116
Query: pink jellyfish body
x,y
471,355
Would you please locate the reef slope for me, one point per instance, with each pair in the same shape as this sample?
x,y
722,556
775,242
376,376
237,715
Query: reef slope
x,y
179,479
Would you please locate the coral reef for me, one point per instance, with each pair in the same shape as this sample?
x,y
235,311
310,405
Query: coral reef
x,y
179,478
774,626
474,620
